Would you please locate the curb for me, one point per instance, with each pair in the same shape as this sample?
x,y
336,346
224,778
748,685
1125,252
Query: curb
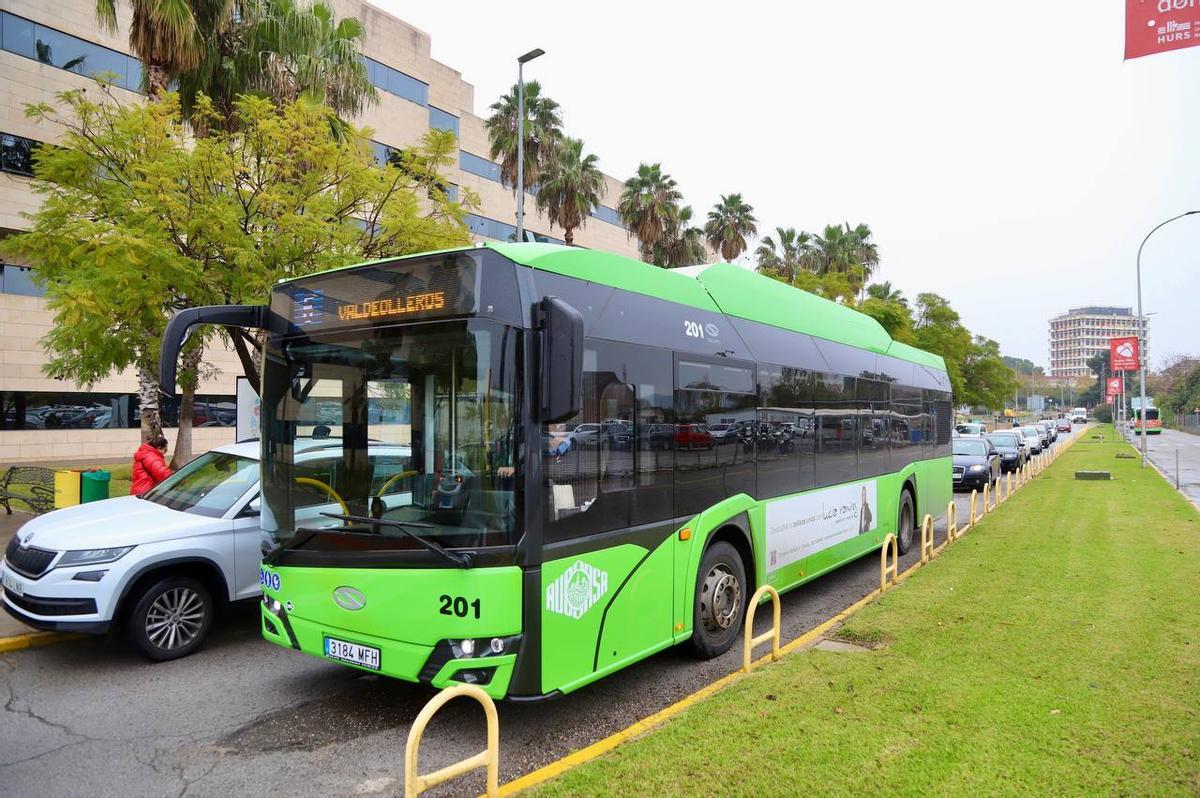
x,y
34,640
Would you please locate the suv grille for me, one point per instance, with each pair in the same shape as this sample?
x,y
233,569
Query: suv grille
x,y
52,606
31,562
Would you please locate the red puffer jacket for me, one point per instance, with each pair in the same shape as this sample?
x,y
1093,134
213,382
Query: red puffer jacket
x,y
149,469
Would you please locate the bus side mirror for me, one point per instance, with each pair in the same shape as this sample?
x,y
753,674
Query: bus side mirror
x,y
561,360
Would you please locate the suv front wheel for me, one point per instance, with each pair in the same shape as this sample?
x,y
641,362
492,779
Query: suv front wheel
x,y
171,618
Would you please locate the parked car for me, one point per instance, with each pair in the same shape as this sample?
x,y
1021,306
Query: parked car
x,y
975,462
693,436
586,435
1048,433
1063,425
724,433
971,429
1033,438
158,566
1011,448
658,437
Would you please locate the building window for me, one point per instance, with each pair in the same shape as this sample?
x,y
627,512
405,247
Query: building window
x,y
396,82
18,280
31,410
55,48
16,154
440,120
490,228
607,214
473,164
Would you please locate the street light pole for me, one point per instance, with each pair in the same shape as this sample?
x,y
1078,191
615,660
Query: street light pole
x,y
529,56
1141,321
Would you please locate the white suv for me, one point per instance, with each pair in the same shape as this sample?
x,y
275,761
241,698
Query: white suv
x,y
158,566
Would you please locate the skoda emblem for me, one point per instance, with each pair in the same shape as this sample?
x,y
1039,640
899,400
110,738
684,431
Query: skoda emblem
x,y
349,598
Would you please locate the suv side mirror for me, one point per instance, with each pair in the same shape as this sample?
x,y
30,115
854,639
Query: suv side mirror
x,y
561,360
253,508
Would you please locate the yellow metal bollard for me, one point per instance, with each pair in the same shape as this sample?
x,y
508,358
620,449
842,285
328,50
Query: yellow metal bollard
x,y
974,494
1008,491
927,552
415,784
952,523
885,570
748,642
986,501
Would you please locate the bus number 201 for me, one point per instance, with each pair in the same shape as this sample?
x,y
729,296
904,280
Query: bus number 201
x,y
458,605
693,329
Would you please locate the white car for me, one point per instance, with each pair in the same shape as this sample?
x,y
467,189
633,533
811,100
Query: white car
x,y
159,565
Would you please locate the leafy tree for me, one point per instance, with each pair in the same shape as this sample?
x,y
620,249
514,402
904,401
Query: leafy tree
x,y
682,243
987,381
892,314
573,185
938,328
848,251
139,221
1023,365
785,259
729,222
165,34
279,50
542,130
649,206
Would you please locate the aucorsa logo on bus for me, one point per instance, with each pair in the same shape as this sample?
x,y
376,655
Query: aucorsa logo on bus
x,y
576,590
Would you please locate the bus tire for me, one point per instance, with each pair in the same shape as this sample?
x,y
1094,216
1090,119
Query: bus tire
x,y
905,522
719,606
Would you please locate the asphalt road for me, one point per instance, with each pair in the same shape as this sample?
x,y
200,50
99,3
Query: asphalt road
x,y
1162,449
241,715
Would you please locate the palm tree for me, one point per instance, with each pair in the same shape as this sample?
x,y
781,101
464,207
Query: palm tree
x,y
682,244
572,186
834,251
649,204
165,35
283,51
885,292
867,253
788,257
729,222
542,129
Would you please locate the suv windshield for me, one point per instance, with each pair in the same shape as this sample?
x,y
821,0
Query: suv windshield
x,y
208,485
416,423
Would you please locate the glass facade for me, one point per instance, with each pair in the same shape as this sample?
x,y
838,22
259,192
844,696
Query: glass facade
x,y
18,280
441,120
503,231
475,165
395,82
55,48
607,214
16,154
28,410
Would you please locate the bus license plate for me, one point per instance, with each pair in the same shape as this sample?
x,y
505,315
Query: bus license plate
x,y
355,654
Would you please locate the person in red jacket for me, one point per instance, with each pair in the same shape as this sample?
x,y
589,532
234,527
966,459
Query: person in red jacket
x,y
149,465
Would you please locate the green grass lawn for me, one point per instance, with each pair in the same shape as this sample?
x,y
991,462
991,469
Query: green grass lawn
x,y
1054,650
120,477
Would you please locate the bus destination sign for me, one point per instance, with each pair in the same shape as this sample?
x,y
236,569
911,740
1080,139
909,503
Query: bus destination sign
x,y
403,290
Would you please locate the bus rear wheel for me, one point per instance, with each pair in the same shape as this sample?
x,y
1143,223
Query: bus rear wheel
x,y
720,603
905,523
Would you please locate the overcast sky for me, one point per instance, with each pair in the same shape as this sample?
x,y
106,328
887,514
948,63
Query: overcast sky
x,y
1003,153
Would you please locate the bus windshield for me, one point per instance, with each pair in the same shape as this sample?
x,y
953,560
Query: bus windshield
x,y
415,424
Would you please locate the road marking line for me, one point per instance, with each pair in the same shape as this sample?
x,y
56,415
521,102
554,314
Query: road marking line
x,y
34,640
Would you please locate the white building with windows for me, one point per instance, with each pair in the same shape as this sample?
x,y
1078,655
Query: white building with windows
x,y
1082,333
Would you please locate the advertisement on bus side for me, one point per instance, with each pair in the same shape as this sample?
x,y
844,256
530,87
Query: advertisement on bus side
x,y
804,525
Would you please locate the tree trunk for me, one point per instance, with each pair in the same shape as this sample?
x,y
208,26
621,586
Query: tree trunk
x,y
156,80
569,236
190,362
148,394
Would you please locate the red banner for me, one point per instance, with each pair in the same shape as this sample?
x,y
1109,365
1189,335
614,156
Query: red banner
x,y
1158,26
1123,354
1114,386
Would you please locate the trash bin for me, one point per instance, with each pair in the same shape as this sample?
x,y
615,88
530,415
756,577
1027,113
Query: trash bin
x,y
94,486
66,488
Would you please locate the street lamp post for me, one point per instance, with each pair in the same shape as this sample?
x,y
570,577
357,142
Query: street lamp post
x,y
1141,321
529,56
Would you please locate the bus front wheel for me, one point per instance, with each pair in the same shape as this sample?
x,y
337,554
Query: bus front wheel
x,y
905,523
720,603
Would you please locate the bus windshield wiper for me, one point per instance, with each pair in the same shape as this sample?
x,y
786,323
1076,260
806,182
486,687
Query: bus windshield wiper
x,y
464,560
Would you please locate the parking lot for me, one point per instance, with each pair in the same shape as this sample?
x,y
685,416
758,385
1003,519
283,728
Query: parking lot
x,y
91,716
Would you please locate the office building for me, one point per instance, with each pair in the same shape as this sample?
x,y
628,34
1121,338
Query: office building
x,y
46,48
1082,333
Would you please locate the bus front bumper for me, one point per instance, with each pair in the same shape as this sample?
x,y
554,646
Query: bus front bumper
x,y
444,664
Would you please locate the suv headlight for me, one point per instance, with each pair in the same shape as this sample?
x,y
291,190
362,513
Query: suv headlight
x,y
93,556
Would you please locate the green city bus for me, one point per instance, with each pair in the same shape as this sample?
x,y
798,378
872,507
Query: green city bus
x,y
526,466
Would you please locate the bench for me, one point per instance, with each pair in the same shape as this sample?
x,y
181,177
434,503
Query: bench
x,y
39,483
